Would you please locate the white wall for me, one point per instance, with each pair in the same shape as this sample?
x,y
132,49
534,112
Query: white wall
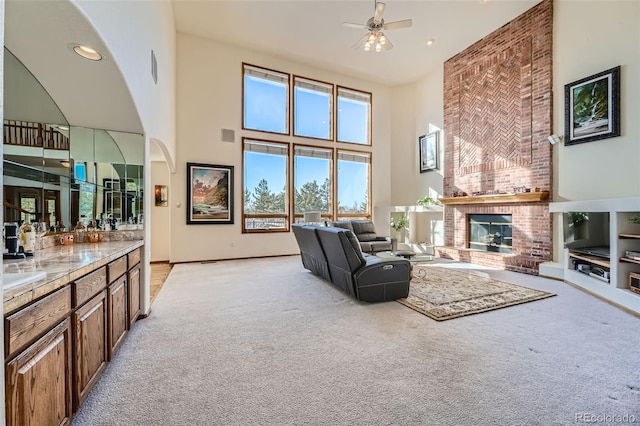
x,y
590,37
160,222
209,98
417,110
131,30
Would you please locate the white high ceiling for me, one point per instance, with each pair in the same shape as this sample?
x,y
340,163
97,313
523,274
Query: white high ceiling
x,y
311,31
90,94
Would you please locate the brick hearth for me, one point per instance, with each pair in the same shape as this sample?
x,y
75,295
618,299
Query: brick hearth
x,y
497,116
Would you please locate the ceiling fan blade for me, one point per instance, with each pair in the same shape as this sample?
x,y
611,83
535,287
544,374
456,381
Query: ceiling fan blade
x,y
358,44
398,24
377,17
356,26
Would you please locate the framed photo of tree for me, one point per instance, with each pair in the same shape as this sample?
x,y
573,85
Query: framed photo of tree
x,y
592,108
209,194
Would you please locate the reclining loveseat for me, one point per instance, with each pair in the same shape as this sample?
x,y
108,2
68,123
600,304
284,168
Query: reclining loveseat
x,y
365,232
335,255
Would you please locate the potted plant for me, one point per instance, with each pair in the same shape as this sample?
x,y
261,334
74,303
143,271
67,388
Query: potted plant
x,y
428,201
578,218
634,219
398,224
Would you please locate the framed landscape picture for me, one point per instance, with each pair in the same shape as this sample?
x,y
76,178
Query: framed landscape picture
x,y
209,194
428,149
592,108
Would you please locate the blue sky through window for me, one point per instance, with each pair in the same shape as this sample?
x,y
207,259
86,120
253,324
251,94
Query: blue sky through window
x,y
312,113
265,106
352,183
353,121
260,166
266,110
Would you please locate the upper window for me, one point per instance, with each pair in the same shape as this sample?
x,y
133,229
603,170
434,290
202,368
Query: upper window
x,y
265,100
312,106
312,180
354,116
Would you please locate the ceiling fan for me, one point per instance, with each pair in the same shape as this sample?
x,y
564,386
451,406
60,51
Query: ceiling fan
x,y
375,25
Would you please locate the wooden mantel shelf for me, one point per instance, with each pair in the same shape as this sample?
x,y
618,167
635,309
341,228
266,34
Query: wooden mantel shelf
x,y
524,197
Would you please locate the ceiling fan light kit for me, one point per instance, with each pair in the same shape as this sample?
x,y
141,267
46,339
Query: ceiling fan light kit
x,y
375,37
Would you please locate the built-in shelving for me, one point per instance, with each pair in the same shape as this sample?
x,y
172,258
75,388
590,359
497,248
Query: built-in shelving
x,y
625,237
591,259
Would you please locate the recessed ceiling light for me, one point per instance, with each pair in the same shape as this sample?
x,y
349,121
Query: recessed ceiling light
x,y
431,41
87,52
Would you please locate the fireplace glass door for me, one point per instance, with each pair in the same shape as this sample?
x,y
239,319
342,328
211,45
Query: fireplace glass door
x,y
490,232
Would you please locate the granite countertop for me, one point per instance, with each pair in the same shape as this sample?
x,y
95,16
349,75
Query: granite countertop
x,y
62,265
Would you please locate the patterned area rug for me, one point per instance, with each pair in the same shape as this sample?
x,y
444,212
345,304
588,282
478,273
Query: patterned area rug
x,y
443,294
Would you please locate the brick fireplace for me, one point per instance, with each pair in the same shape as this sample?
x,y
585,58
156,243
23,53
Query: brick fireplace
x,y
497,117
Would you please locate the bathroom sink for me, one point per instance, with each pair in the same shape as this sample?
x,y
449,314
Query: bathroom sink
x,y
14,279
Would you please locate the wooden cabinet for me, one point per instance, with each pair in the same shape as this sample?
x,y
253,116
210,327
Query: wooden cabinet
x,y
90,346
38,381
117,313
134,294
57,347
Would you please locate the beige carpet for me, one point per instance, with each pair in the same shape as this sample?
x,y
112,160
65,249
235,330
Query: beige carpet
x,y
444,294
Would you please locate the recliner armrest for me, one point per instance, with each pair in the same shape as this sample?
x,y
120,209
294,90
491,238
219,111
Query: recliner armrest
x,y
379,270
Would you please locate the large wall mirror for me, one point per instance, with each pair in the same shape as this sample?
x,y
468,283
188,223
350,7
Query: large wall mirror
x,y
61,174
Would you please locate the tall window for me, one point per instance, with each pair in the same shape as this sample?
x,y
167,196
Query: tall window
x,y
312,105
265,100
312,180
353,184
266,195
354,116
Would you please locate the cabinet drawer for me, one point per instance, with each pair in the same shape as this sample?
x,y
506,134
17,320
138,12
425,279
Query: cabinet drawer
x,y
134,258
22,327
89,285
116,269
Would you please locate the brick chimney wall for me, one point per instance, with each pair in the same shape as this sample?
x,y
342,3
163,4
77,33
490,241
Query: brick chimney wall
x,y
497,117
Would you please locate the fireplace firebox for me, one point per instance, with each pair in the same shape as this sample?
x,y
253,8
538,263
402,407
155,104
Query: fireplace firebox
x,y
490,232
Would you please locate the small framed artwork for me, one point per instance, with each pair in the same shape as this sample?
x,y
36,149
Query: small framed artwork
x,y
428,148
161,195
209,194
592,108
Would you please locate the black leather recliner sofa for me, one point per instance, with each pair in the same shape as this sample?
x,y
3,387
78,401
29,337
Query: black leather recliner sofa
x,y
335,255
365,232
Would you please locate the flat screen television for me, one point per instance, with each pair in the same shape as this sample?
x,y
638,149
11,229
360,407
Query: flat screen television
x,y
587,233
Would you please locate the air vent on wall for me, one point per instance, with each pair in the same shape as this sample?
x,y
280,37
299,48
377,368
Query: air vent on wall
x,y
228,135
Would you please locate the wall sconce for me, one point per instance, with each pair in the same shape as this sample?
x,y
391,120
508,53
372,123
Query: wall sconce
x,y
554,139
